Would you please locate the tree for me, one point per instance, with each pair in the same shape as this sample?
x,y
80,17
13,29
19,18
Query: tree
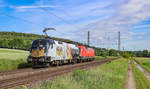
x,y
145,53
126,55
112,52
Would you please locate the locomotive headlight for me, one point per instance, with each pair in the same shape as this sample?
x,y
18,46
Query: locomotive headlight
x,y
41,59
29,60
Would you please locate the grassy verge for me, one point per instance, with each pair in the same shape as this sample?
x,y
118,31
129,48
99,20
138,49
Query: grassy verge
x,y
141,80
107,76
11,59
6,64
144,62
100,57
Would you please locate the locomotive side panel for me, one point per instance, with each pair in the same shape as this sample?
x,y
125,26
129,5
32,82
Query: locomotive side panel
x,y
86,52
73,51
57,52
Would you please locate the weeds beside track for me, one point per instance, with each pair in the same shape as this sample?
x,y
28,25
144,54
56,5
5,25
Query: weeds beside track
x,y
107,76
141,81
144,62
47,74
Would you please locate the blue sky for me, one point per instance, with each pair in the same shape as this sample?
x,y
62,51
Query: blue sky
x,y
74,18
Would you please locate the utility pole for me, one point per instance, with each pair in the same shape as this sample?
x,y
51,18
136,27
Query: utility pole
x,y
88,38
119,41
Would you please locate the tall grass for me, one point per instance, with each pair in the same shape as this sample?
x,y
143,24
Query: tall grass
x,y
13,59
6,64
100,57
144,62
107,76
141,80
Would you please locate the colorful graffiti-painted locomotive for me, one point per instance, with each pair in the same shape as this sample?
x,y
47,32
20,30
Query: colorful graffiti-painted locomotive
x,y
45,52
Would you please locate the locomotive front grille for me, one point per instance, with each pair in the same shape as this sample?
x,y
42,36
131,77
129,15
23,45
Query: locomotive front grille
x,y
37,53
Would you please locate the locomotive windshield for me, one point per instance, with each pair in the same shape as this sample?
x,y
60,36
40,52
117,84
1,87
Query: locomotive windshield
x,y
42,44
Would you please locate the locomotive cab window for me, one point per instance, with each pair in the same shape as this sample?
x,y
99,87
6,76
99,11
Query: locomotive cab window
x,y
42,44
59,42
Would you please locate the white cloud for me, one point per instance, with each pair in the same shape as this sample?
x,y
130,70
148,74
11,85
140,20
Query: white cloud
x,y
142,26
120,17
132,45
33,7
85,11
127,15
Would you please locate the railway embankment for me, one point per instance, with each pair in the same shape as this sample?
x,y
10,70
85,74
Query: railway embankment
x,y
111,75
30,77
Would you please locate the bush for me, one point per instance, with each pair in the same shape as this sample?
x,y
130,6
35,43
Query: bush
x,y
126,55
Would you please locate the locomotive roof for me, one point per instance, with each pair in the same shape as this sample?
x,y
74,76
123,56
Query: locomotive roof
x,y
50,40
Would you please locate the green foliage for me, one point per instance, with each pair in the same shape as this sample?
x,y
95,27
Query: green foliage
x,y
112,52
144,53
6,64
99,57
13,59
126,55
20,87
104,54
12,54
145,63
141,80
15,40
108,76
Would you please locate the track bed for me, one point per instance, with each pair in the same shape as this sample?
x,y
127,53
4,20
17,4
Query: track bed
x,y
30,76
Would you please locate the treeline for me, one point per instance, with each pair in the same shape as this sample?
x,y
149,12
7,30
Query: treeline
x,y
14,40
144,53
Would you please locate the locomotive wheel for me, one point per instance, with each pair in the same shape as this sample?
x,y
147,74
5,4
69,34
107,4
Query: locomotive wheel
x,y
60,62
47,64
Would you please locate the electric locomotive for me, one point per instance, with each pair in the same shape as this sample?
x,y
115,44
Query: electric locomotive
x,y
46,51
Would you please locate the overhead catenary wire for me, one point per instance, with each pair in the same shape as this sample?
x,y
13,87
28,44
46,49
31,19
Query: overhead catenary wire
x,y
41,25
61,18
24,20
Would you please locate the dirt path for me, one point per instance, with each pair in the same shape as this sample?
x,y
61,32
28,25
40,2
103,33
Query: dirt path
x,y
130,81
146,73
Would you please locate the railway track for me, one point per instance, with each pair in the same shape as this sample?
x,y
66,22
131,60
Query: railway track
x,y
49,73
15,71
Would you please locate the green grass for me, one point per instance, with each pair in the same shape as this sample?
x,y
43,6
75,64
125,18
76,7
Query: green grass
x,y
11,59
107,76
141,80
100,57
144,62
13,54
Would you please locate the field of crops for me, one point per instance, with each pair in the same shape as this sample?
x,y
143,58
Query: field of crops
x,y
144,62
106,76
11,59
